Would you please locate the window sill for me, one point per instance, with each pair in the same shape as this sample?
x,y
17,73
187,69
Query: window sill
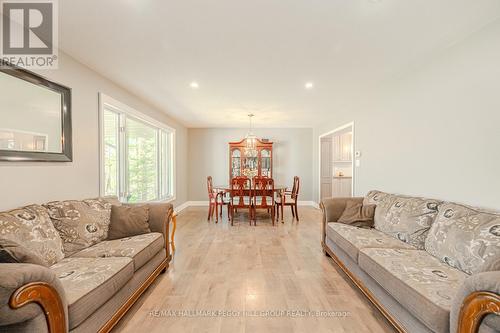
x,y
162,200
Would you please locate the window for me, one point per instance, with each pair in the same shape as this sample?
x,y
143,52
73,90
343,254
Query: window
x,y
137,161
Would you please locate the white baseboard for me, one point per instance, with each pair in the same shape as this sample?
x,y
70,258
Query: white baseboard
x,y
197,203
181,207
187,204
309,203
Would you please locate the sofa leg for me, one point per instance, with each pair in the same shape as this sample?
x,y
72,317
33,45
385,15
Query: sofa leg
x,y
326,253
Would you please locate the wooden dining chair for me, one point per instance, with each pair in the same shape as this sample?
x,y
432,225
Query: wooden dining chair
x,y
223,200
212,200
290,198
263,196
241,196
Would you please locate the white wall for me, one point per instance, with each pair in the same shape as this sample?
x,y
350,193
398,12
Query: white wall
x,y
25,183
209,156
435,131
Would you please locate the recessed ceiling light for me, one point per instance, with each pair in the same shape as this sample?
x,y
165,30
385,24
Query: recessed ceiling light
x,y
194,85
309,85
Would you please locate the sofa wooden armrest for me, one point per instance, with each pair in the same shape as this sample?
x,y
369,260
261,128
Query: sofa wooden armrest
x,y
47,297
475,308
25,289
478,298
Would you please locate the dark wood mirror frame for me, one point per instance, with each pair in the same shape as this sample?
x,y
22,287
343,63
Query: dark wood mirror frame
x,y
66,154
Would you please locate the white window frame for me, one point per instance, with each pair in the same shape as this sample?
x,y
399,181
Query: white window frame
x,y
107,102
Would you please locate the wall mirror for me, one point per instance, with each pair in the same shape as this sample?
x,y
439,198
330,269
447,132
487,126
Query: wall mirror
x,y
35,117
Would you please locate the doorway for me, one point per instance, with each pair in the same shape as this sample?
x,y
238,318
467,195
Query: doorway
x,y
336,167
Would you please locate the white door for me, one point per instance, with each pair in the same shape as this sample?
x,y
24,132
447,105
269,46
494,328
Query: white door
x,y
326,167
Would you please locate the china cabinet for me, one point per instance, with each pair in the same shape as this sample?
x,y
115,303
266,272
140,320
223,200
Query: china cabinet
x,y
250,162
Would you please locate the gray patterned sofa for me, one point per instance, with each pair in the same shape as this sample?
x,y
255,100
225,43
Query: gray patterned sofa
x,y
427,265
89,282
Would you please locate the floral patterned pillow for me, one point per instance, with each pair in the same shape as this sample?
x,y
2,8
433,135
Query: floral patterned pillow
x,y
374,197
80,223
405,218
464,237
32,228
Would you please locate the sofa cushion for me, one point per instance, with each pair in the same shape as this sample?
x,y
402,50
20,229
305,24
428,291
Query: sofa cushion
x,y
417,280
406,218
464,237
90,282
139,248
351,239
32,228
80,223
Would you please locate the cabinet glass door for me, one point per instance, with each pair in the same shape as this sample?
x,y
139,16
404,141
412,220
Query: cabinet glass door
x,y
265,167
250,166
235,163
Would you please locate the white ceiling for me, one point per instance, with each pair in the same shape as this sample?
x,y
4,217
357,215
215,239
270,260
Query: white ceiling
x,y
256,55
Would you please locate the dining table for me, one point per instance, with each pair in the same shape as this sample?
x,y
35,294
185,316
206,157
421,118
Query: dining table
x,y
221,190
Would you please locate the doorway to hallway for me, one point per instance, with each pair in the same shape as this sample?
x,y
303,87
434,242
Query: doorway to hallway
x,y
336,153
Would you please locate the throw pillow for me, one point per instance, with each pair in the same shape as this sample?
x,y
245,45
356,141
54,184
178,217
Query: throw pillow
x,y
357,214
374,197
128,221
32,228
12,252
406,218
490,266
465,238
81,223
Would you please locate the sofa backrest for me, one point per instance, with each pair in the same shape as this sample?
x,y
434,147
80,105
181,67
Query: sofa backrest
x,y
464,237
405,218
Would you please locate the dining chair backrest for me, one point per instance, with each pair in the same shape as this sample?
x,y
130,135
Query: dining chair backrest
x,y
240,185
210,187
263,187
295,188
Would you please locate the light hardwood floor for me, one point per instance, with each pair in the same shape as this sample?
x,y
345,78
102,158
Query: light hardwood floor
x,y
245,268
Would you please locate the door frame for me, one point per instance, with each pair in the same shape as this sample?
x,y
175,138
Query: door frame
x,y
351,124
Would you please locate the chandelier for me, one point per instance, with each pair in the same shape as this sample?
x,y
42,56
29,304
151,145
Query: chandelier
x,y
250,140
